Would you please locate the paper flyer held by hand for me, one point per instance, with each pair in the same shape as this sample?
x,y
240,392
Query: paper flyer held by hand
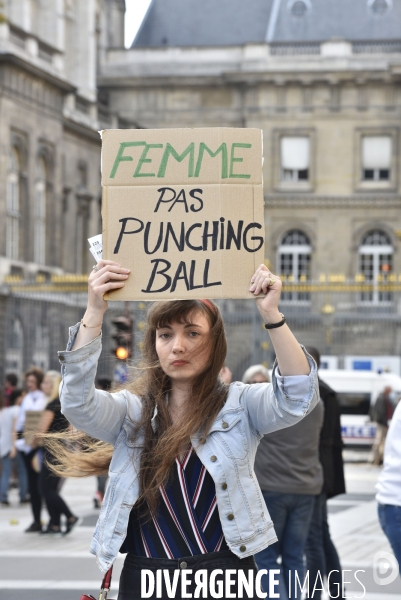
x,y
96,247
183,209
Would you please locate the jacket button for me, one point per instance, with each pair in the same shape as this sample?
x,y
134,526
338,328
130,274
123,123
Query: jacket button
x,y
224,486
230,517
61,357
213,458
224,425
183,565
242,548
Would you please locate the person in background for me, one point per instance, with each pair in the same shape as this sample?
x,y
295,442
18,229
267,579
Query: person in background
x,y
381,413
34,400
102,383
256,374
10,383
53,421
321,554
8,452
389,486
290,475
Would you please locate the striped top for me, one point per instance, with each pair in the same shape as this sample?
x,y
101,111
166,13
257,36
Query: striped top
x,y
187,522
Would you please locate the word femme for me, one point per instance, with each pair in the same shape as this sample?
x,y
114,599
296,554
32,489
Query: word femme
x,y
203,236
194,170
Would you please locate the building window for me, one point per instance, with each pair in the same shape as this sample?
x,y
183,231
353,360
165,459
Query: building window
x,y
40,214
294,259
376,264
14,347
82,222
376,158
82,175
294,158
13,205
40,356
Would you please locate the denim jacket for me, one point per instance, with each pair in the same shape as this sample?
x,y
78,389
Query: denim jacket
x,y
228,453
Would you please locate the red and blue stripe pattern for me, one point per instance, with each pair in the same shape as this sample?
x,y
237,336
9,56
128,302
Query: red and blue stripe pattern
x,y
187,522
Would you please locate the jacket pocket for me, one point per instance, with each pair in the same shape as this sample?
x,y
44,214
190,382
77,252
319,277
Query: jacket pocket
x,y
229,434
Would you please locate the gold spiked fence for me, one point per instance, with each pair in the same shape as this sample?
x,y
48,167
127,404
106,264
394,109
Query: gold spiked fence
x,y
339,316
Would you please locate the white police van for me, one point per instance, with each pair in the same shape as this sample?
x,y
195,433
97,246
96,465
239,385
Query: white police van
x,y
356,392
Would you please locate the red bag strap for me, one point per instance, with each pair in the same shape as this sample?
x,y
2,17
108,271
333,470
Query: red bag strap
x,y
106,584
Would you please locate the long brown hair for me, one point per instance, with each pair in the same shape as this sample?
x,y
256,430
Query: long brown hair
x,y
152,386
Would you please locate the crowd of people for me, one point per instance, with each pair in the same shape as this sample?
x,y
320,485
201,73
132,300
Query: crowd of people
x,y
27,415
169,470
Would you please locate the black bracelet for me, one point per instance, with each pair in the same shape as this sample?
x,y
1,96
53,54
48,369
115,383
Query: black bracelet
x,y
275,325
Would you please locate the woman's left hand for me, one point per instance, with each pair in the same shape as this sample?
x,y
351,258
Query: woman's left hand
x,y
266,288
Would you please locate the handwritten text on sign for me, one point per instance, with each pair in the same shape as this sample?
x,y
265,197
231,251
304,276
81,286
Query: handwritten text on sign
x,y
184,210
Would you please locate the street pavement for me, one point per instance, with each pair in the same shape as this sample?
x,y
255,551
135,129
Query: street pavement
x,y
62,568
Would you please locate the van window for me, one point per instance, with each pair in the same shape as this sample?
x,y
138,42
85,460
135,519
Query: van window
x,y
354,403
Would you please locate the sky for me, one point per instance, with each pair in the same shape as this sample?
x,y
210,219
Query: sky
x,y
135,11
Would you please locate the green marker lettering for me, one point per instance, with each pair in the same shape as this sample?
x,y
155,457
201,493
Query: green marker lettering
x,y
233,159
143,159
121,158
222,149
178,157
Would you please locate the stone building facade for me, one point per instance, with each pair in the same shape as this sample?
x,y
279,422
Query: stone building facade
x,y
323,81
49,157
328,107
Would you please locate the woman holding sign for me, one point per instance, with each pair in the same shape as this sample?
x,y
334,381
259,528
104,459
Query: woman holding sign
x,y
182,501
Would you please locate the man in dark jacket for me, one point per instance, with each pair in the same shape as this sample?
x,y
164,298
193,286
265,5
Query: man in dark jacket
x,y
321,554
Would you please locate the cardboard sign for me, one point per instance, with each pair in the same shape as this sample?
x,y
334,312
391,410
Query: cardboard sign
x,y
183,209
32,420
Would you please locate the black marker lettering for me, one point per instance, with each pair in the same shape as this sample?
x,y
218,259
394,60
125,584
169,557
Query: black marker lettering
x,y
146,238
260,239
232,237
170,231
192,286
222,219
206,275
188,243
213,235
123,232
155,272
180,198
192,194
163,190
181,267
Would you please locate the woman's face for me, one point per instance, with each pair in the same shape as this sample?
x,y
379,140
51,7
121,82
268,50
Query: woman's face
x,y
31,383
47,385
183,348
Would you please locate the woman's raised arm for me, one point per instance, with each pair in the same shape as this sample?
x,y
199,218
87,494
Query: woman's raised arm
x,y
106,275
290,356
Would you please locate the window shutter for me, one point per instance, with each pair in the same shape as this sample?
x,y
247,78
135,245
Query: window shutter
x,y
295,153
376,152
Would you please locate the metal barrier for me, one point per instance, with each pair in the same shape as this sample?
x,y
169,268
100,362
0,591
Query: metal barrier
x,y
339,317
